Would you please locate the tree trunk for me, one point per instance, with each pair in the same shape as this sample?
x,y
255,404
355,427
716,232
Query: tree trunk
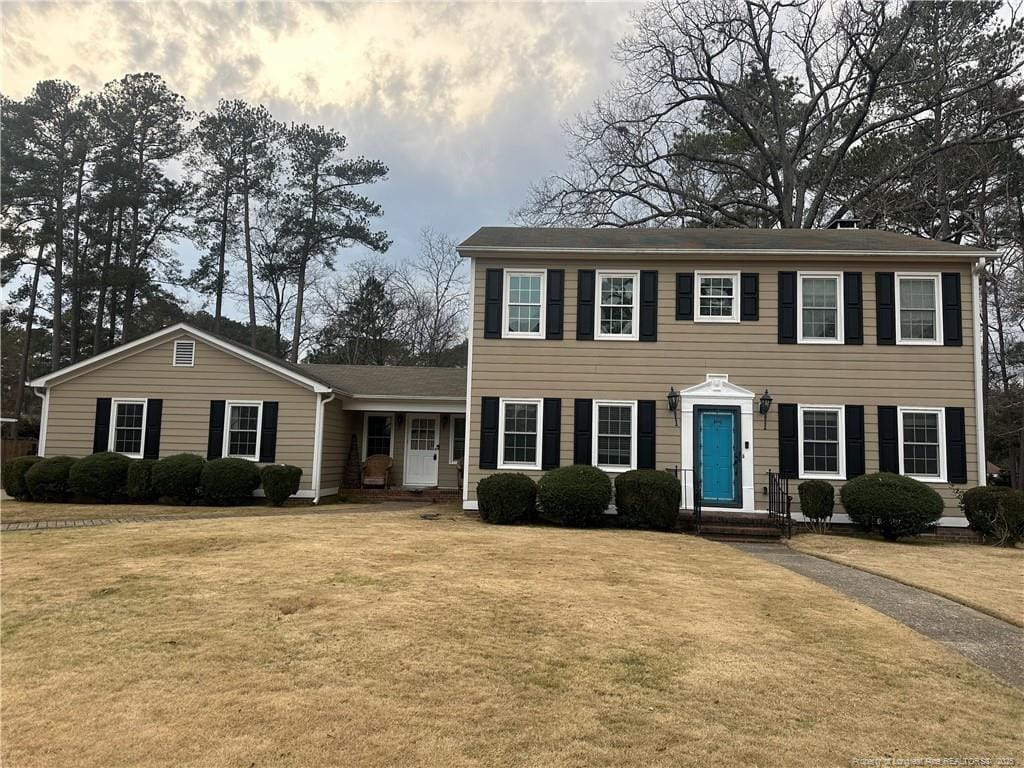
x,y
58,274
26,343
76,292
219,301
97,335
250,282
129,293
301,287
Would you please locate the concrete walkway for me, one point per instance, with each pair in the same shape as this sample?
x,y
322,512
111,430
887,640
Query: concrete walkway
x,y
987,641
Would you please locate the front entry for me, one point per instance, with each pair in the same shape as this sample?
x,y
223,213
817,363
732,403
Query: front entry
x,y
422,450
716,443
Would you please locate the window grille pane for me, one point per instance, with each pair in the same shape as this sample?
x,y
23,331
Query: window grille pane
x,y
716,296
524,303
242,430
520,443
378,435
820,307
617,306
921,444
917,308
422,434
821,441
614,435
458,438
128,423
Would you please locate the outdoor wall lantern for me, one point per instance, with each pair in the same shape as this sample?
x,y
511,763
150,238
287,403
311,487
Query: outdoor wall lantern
x,y
673,404
444,420
765,406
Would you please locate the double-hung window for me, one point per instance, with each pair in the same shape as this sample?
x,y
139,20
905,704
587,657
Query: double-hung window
x,y
615,434
458,439
820,298
617,299
519,441
716,300
378,434
922,448
127,427
524,304
918,320
822,441
242,435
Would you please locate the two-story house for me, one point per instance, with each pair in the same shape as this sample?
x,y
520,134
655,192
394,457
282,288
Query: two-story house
x,y
721,354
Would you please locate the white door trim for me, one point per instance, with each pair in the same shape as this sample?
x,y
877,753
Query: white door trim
x,y
717,390
408,437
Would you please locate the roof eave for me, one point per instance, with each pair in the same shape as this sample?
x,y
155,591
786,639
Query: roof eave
x,y
470,250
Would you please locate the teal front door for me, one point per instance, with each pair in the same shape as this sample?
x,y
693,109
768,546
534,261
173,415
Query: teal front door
x,y
717,455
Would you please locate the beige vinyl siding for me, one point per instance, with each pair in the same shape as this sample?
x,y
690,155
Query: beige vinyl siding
x,y
332,462
749,352
186,393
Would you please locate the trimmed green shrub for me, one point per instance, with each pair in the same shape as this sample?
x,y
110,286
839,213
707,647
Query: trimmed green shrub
x,y
48,479
177,477
577,495
228,481
507,499
647,498
138,483
995,512
280,481
817,500
99,476
14,476
893,505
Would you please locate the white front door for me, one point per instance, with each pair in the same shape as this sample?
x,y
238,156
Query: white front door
x,y
422,450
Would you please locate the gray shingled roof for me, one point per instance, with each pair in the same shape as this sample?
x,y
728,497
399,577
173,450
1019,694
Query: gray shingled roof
x,y
783,240
390,380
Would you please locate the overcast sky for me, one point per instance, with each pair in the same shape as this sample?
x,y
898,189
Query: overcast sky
x,y
463,101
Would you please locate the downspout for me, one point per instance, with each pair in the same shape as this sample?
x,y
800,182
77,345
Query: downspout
x,y
318,444
979,395
43,418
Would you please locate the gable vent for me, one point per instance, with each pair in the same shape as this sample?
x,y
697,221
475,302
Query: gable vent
x,y
184,353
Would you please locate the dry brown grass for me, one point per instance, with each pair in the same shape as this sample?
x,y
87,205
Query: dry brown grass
x,y
989,579
390,640
22,511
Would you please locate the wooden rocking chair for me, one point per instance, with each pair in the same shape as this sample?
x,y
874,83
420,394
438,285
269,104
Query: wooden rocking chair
x,y
377,471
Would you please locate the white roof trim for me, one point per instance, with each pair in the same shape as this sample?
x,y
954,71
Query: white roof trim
x,y
470,249
77,369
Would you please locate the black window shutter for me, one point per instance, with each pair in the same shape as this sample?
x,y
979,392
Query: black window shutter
x,y
582,427
489,433
154,418
585,304
215,441
789,453
885,307
101,430
853,309
494,286
748,296
952,319
556,304
956,446
268,432
854,441
649,305
646,418
787,308
888,439
684,295
551,443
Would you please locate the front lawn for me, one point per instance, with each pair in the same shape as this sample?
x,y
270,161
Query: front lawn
x,y
387,639
990,579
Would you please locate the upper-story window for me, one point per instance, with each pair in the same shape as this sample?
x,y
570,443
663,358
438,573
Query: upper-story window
x,y
717,297
617,305
524,304
917,301
820,298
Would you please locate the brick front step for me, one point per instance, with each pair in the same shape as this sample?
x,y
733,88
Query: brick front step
x,y
434,495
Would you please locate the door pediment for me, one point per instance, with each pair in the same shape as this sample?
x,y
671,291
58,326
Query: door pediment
x,y
716,386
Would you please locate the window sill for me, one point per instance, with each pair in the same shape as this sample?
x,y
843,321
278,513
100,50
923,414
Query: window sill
x,y
820,341
519,466
599,337
698,319
539,335
253,459
927,479
919,342
614,470
820,476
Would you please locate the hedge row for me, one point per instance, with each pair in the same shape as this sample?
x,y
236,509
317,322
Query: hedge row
x,y
183,479
578,496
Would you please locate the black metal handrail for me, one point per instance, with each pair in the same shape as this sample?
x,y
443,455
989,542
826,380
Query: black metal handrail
x,y
780,503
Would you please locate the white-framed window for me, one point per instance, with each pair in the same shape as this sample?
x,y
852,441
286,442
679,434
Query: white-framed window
x,y
822,441
718,297
918,319
184,353
820,308
457,439
614,436
923,443
378,430
127,427
244,421
618,297
519,434
524,303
